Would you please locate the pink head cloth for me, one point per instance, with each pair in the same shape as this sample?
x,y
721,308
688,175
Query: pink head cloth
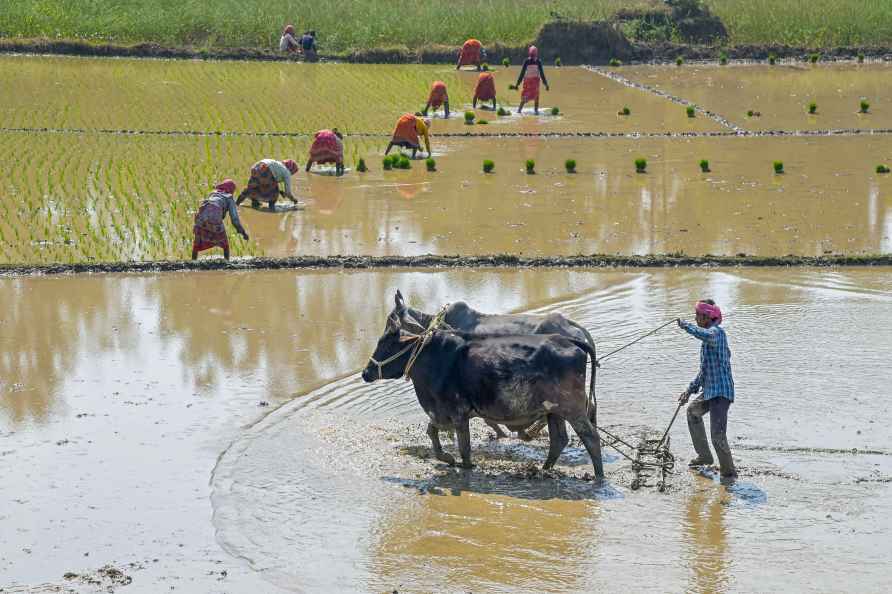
x,y
712,311
289,29
534,52
290,165
227,186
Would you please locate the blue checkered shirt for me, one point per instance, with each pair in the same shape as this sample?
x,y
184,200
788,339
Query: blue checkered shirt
x,y
715,363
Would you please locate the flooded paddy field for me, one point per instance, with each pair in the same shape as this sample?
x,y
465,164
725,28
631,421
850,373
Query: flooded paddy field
x,y
781,93
256,97
114,198
135,430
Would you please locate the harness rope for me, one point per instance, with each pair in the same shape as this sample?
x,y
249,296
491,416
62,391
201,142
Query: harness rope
x,y
417,342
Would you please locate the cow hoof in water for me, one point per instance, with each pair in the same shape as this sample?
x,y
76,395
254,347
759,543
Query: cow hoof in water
x,y
447,458
466,465
524,436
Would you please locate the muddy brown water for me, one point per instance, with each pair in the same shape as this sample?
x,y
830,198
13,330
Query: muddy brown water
x,y
781,93
132,431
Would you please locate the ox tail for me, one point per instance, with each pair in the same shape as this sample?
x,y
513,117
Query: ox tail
x,y
588,346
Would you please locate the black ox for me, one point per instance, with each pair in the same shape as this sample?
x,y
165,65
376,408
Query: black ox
x,y
513,380
461,316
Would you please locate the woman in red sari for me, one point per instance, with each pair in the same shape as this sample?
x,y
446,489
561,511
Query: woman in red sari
x,y
485,89
209,229
531,73
438,96
471,54
328,147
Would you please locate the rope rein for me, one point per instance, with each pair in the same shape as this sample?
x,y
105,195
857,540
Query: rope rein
x,y
417,342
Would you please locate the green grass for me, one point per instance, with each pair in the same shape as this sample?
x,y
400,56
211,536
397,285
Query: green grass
x,y
359,24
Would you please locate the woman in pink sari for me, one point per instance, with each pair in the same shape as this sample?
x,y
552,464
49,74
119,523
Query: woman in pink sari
x,y
531,73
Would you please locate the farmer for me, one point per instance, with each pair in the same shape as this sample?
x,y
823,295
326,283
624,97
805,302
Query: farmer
x,y
328,147
471,54
288,43
308,45
531,74
438,96
485,89
406,134
717,384
209,230
266,175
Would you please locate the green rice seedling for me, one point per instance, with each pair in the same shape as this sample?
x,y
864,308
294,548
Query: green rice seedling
x,y
419,114
881,169
691,111
750,113
625,111
723,58
404,162
778,167
557,62
484,67
506,62
679,61
555,111
361,166
614,62
570,165
704,166
431,164
814,58
470,116
512,87
860,57
865,106
530,167
502,112
772,59
482,122
812,108
387,163
488,166
640,165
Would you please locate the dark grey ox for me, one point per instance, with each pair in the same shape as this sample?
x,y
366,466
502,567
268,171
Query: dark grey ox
x,y
463,317
513,380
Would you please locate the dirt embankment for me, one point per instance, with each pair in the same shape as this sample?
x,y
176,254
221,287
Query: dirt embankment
x,y
431,261
593,43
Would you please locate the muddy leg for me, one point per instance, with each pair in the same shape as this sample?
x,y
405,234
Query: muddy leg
x,y
389,146
493,103
696,409
495,427
194,254
475,101
309,165
558,440
532,432
439,454
592,442
718,425
446,107
520,107
426,107
463,432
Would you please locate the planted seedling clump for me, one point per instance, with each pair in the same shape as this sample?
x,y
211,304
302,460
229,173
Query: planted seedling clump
x,y
778,167
625,111
361,166
555,111
512,87
557,62
506,62
865,106
484,67
488,166
404,162
723,58
482,122
614,62
704,166
814,58
691,111
640,165
502,112
772,59
812,108
431,164
531,167
679,61
387,163
882,169
860,57
470,116
570,165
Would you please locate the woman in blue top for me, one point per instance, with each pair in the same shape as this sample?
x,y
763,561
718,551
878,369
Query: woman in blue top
x,y
717,384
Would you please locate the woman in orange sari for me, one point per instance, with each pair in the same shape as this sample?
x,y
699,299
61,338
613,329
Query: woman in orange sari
x,y
409,129
471,54
531,73
437,97
485,89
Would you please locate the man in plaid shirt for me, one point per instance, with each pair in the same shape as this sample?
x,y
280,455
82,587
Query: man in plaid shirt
x,y
717,384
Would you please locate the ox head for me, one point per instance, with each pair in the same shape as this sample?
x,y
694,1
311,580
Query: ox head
x,y
391,353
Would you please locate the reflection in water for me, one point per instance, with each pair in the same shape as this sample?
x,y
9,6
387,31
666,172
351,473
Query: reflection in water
x,y
706,539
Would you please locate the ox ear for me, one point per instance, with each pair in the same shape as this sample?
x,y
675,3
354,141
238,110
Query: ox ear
x,y
399,301
393,325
